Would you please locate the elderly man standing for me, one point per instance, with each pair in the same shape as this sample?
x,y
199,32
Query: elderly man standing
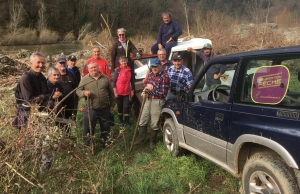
x,y
180,77
214,73
31,88
100,101
157,85
102,63
168,34
69,83
54,86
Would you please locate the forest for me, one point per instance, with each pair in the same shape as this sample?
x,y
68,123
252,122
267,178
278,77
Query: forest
x,y
49,21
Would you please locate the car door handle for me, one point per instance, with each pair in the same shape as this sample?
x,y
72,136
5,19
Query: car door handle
x,y
219,117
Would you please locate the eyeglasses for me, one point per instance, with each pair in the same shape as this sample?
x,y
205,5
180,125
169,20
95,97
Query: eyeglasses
x,y
121,34
62,62
206,48
177,60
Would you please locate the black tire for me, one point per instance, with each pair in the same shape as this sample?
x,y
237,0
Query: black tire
x,y
266,173
170,138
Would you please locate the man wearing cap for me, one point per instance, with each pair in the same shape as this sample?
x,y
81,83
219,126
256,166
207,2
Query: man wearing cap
x,y
162,57
168,34
103,66
96,88
75,71
214,73
157,86
181,78
69,83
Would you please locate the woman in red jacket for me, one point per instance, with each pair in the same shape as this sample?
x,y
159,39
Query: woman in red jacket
x,y
123,85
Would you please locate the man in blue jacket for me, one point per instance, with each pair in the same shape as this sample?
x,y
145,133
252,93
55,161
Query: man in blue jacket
x,y
168,34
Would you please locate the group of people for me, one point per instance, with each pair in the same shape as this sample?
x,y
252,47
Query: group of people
x,y
164,80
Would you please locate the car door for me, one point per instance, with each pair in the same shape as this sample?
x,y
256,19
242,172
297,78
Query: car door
x,y
256,113
206,120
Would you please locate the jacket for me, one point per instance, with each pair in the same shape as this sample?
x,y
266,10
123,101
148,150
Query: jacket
x,y
118,51
102,94
166,31
103,67
123,81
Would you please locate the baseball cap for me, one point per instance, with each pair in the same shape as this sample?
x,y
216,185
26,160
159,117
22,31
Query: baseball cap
x,y
155,62
207,45
61,59
176,56
72,57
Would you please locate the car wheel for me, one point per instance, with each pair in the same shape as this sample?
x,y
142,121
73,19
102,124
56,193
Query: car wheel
x,y
170,138
268,174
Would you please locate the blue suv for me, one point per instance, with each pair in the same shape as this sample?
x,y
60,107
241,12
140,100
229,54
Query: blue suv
x,y
249,125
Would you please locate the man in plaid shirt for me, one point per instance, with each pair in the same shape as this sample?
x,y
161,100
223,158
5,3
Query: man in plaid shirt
x,y
181,78
157,86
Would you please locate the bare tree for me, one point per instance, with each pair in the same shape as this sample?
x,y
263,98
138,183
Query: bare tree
x,y
42,22
186,11
84,30
253,7
16,17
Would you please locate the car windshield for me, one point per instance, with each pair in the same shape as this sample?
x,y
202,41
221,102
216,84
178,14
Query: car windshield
x,y
141,67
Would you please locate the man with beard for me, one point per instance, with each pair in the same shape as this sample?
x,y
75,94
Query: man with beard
x,y
214,73
69,83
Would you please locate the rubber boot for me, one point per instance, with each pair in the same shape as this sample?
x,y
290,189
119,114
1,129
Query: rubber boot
x,y
153,138
142,135
120,120
126,118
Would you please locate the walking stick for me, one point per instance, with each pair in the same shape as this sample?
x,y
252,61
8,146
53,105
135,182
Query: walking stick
x,y
90,125
144,95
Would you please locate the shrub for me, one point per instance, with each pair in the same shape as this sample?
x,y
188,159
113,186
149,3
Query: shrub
x,y
47,36
69,37
26,36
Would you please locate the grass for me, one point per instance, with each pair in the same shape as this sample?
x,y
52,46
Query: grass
x,y
110,170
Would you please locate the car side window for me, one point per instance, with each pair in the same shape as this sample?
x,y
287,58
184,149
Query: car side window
x,y
214,78
271,81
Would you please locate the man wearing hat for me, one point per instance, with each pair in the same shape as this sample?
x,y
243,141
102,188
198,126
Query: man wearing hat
x,y
181,78
214,73
69,83
157,86
71,67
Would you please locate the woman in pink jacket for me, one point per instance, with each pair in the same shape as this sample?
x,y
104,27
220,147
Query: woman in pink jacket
x,y
123,85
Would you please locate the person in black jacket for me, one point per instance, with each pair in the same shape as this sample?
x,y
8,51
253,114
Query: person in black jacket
x,y
69,83
123,47
31,89
71,67
168,34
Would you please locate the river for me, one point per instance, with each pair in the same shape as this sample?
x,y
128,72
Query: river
x,y
47,49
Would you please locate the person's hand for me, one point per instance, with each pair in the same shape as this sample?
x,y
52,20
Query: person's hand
x,y
132,93
170,39
56,95
138,56
149,87
116,95
216,76
190,49
160,46
87,93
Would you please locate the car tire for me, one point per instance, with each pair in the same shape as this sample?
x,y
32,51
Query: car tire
x,y
266,173
170,138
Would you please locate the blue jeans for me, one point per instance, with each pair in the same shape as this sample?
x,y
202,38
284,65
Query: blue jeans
x,y
167,47
103,116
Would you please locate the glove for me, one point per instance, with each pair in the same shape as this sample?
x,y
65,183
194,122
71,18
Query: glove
x,y
138,56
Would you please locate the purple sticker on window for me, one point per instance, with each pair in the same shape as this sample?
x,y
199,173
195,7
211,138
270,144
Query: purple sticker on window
x,y
270,84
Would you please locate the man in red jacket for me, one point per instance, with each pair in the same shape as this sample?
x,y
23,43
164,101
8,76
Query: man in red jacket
x,y
102,63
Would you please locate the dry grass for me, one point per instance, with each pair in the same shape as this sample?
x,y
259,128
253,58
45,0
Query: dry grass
x,y
25,36
69,37
47,36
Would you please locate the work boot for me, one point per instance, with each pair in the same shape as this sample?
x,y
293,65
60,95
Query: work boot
x,y
153,138
142,135
126,118
120,120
